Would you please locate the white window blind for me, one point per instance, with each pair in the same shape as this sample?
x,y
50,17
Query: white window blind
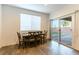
x,y
30,22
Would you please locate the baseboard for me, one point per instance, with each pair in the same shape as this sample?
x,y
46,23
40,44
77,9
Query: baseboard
x,y
8,45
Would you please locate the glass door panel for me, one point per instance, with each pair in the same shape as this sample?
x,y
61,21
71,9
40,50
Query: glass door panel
x,y
66,31
55,30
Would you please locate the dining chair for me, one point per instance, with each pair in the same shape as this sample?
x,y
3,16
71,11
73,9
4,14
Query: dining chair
x,y
37,37
26,39
32,38
43,36
21,42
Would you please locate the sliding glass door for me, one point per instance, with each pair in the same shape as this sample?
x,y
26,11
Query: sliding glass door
x,y
61,31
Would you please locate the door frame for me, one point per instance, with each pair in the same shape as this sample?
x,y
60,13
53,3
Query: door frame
x,y
69,15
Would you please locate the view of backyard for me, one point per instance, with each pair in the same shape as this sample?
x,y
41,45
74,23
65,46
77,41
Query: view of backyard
x,y
64,33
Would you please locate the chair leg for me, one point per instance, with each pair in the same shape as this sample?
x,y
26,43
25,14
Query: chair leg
x,y
23,45
19,44
41,40
29,44
36,43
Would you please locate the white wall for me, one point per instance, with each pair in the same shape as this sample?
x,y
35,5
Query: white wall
x,y
65,10
75,22
0,23
76,31
11,20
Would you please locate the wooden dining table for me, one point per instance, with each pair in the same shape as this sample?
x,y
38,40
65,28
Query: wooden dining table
x,y
28,36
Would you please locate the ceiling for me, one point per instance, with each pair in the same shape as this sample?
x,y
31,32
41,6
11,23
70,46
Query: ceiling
x,y
45,8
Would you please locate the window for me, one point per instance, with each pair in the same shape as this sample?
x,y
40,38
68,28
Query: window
x,y
30,22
